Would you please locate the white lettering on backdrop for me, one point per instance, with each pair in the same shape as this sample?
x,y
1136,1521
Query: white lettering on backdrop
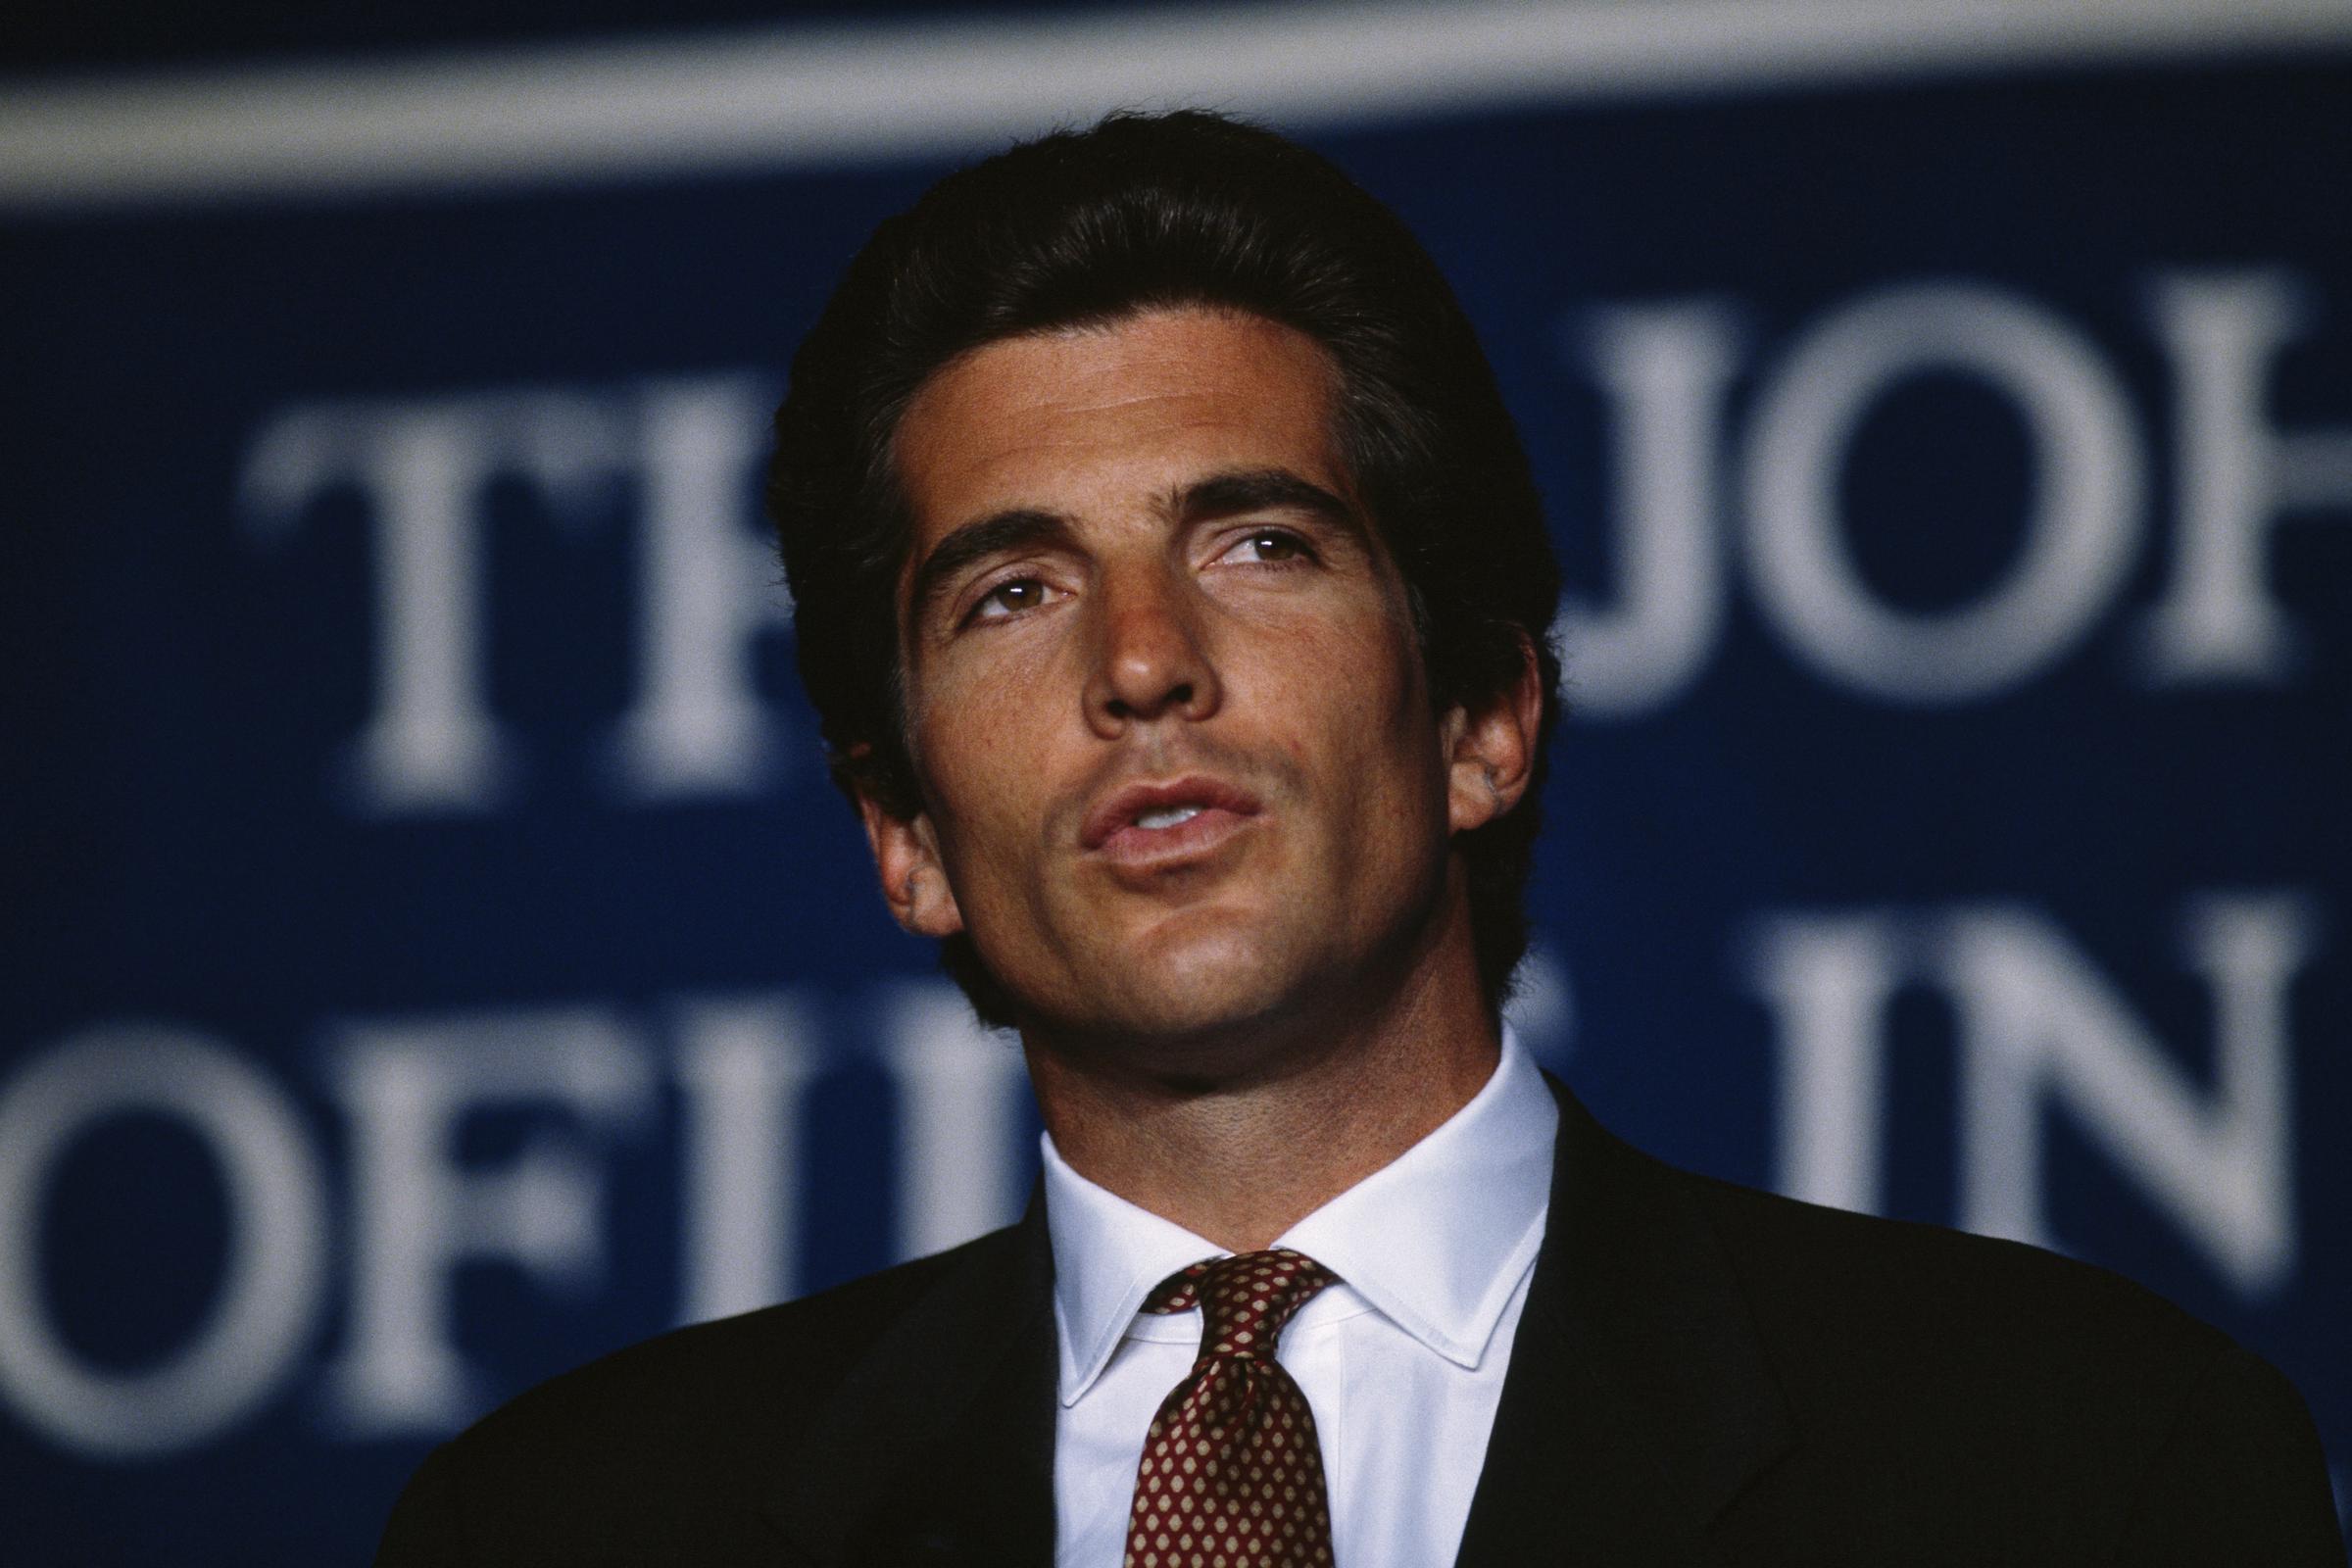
x,y
2039,1023
419,1208
418,1213
423,469
275,1185
743,1065
1665,370
2237,474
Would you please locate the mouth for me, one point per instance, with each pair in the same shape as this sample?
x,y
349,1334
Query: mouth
x,y
1157,823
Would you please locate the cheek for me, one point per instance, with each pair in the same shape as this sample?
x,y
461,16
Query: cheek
x,y
1386,709
1358,720
980,756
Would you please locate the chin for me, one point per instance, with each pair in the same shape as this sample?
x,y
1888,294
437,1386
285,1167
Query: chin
x,y
1194,995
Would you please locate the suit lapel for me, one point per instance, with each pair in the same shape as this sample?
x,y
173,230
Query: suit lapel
x,y
1638,1404
938,1447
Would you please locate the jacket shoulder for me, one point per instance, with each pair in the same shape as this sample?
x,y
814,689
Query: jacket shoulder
x,y
1862,1287
1921,1363
784,1358
663,1441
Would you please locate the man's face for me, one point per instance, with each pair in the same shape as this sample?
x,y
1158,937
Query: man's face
x,y
1179,766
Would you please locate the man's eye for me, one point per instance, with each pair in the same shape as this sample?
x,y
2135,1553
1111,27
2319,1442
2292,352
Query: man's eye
x,y
1009,599
1270,545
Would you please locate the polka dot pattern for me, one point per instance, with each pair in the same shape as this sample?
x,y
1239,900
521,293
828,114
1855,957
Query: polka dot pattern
x,y
1232,1474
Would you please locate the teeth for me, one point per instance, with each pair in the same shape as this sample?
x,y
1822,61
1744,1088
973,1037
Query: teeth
x,y
1155,821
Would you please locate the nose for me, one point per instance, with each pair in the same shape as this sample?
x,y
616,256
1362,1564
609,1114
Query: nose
x,y
1152,659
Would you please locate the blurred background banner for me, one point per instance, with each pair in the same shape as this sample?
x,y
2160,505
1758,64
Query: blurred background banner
x,y
435,957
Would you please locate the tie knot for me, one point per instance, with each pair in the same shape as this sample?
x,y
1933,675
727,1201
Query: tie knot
x,y
1245,1300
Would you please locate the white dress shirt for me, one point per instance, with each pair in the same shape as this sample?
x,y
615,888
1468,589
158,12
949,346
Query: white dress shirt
x,y
1402,1361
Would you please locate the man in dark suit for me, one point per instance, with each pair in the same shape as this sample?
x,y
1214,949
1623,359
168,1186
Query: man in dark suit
x,y
1170,582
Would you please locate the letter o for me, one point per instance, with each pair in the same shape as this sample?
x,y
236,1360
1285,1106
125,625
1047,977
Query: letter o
x,y
2087,488
277,1239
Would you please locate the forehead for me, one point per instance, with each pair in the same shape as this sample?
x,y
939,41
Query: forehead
x,y
1088,422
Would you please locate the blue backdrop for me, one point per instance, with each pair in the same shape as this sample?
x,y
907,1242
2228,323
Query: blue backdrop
x,y
435,955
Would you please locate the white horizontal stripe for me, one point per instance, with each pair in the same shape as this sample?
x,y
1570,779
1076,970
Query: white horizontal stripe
x,y
780,98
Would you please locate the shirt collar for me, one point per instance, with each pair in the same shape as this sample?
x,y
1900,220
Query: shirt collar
x,y
1435,1241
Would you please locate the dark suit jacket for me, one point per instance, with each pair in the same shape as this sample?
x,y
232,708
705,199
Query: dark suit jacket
x,y
1703,1374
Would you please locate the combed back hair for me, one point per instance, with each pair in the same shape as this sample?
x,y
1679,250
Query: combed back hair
x,y
1083,228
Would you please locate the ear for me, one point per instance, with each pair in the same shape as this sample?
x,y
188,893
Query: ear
x,y
1490,747
914,883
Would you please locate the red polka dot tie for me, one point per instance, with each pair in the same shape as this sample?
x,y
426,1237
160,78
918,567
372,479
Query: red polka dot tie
x,y
1232,1474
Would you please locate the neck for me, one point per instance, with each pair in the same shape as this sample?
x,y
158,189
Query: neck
x,y
1301,1110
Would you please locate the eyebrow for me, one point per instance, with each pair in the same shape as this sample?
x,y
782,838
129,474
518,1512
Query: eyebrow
x,y
1220,495
1000,532
1224,495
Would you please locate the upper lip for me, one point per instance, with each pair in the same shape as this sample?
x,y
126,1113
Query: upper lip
x,y
1122,807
